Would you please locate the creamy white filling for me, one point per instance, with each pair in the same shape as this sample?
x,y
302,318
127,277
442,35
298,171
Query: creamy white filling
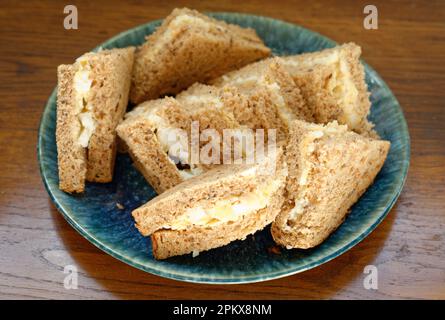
x,y
229,209
311,62
285,113
88,126
190,173
82,87
348,95
298,208
209,100
82,82
174,142
243,81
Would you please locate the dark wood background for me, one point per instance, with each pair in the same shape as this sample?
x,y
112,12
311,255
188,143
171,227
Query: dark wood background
x,y
408,50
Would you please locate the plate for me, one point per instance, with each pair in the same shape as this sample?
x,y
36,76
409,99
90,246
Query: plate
x,y
96,217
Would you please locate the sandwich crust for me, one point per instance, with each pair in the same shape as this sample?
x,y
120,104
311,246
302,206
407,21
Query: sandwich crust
x,y
71,156
190,47
329,169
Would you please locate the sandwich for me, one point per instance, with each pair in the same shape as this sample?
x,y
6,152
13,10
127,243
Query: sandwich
x,y
329,169
190,47
158,134
92,97
222,205
332,82
145,133
274,100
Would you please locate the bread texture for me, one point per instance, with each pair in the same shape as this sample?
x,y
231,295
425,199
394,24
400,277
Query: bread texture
x,y
332,82
208,105
71,156
329,169
111,74
225,183
190,47
273,98
87,152
211,108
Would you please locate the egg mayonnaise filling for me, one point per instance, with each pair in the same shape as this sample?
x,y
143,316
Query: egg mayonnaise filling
x,y
82,86
228,209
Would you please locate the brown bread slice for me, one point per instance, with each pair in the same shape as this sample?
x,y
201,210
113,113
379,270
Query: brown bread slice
x,y
71,156
105,87
190,47
274,100
112,75
329,169
212,108
209,105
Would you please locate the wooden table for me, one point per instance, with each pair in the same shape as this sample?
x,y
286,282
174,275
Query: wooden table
x,y
408,51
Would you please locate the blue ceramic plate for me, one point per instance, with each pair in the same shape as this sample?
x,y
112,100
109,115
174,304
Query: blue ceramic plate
x,y
95,215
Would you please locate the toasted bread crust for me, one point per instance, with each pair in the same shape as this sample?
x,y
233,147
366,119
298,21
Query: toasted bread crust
x,y
336,168
71,156
192,55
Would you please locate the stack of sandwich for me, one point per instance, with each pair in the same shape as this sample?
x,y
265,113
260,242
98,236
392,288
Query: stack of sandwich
x,y
197,69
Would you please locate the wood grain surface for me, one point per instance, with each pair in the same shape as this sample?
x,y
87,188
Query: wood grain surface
x,y
408,248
